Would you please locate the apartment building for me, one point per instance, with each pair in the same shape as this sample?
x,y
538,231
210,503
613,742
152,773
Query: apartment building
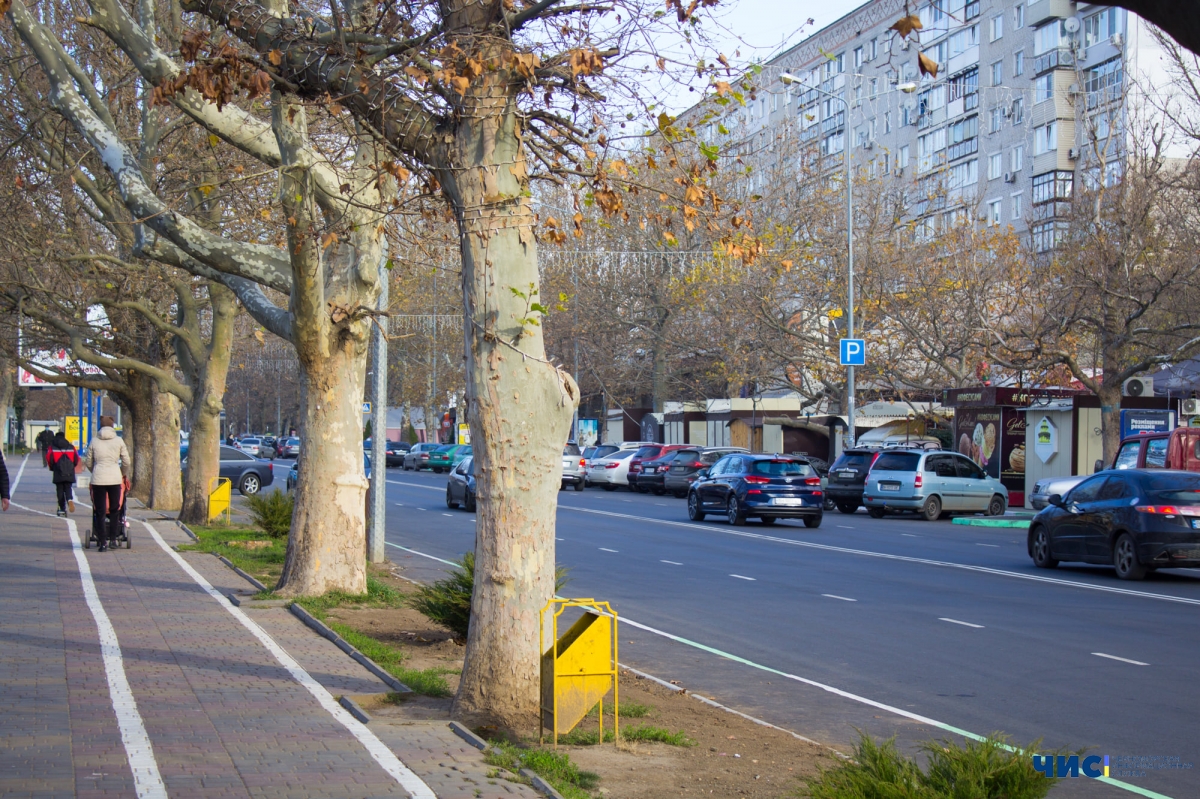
x,y
1003,129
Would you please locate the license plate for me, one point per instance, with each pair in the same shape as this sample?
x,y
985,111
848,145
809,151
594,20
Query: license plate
x,y
790,501
889,486
847,475
1196,524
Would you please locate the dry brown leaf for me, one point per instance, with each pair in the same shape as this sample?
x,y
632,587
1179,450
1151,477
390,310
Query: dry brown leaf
x,y
906,25
275,57
722,88
927,65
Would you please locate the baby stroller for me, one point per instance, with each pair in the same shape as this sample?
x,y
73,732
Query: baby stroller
x,y
122,530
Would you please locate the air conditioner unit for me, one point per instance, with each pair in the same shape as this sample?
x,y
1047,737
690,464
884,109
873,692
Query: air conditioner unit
x,y
1073,88
1117,40
869,144
904,43
1073,154
1007,111
1138,387
1009,177
1191,407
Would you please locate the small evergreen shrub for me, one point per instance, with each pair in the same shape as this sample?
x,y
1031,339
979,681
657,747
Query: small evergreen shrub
x,y
272,512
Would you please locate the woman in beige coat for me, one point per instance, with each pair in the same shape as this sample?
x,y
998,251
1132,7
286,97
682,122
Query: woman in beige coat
x,y
108,460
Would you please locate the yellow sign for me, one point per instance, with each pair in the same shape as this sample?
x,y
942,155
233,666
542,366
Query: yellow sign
x,y
72,428
580,669
464,434
220,499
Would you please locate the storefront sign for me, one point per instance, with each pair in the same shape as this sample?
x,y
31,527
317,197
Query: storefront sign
x,y
1045,439
1138,422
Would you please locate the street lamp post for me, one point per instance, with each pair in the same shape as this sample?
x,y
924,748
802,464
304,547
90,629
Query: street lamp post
x,y
788,79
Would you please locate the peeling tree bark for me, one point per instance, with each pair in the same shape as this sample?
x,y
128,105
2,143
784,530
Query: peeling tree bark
x,y
166,490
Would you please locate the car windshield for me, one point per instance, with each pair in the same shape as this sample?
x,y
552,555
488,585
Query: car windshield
x,y
571,449
850,460
782,468
682,455
896,462
603,452
444,448
648,452
1176,488
670,456
622,455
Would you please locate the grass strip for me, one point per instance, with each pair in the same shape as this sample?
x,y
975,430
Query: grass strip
x,y
555,768
642,734
264,563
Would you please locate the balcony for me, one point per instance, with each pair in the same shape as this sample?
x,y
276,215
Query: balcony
x,y
833,123
1060,57
1038,11
963,148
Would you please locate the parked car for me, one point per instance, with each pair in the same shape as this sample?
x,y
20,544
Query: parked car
x,y
652,476
931,484
417,458
252,445
460,487
1138,520
611,471
393,453
288,447
646,453
1039,498
688,462
248,474
447,456
848,475
574,467
768,487
293,475
1176,449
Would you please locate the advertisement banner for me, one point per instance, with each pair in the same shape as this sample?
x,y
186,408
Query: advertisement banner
x,y
1012,454
76,430
588,433
1137,422
977,435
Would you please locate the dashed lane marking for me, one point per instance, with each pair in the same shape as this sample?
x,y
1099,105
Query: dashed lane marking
x,y
843,598
1123,660
963,623
742,577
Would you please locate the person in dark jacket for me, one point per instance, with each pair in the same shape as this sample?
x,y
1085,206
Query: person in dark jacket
x,y
62,460
4,497
43,441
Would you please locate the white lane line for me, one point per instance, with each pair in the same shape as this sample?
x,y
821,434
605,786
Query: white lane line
x,y
422,554
740,577
451,515
672,562
1123,660
385,757
901,558
997,546
560,539
845,527
828,688
843,598
660,504
910,535
414,485
963,623
420,509
399,504
606,549
13,489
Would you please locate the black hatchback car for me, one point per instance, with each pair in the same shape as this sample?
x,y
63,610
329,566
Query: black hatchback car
x,y
768,487
848,475
460,486
1138,520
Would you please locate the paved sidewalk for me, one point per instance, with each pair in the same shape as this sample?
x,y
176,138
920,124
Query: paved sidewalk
x,y
148,685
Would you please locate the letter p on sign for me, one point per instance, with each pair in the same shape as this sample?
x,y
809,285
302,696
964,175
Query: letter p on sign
x,y
853,352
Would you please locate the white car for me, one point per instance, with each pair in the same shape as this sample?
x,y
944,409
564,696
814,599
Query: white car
x,y
612,470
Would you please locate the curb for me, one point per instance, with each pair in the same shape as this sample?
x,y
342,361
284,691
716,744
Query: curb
x,y
249,579
188,530
319,627
354,709
539,784
1020,523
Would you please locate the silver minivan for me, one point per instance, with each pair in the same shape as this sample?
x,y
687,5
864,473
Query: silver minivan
x,y
932,484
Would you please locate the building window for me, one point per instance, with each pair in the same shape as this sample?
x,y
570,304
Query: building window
x,y
1100,27
858,94
1046,235
995,165
858,57
1103,82
997,27
998,73
962,175
874,88
962,138
1018,209
902,157
874,49
1043,88
995,212
1017,158
1018,111
963,84
1053,187
997,119
963,40
886,163
887,122
1050,37
1045,138
1018,63
1019,17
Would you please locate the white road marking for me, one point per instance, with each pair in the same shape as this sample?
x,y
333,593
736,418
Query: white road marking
x,y
997,546
420,509
399,504
384,756
845,527
1037,578
740,577
422,554
910,535
560,539
673,563
963,623
1123,660
13,488
414,485
843,598
606,549
451,515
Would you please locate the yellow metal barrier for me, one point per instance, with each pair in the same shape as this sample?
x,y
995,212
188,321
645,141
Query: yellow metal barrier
x,y
580,668
220,499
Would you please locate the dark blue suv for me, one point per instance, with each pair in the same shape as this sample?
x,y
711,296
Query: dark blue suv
x,y
768,487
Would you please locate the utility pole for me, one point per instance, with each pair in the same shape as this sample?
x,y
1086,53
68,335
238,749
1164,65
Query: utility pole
x,y
376,550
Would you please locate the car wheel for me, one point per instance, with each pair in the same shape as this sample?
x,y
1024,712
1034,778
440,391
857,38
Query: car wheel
x,y
680,494
996,506
876,513
1039,549
1126,560
610,487
469,505
578,485
250,484
658,492
767,520
450,503
813,521
828,504
437,469
932,509
734,513
694,512
847,508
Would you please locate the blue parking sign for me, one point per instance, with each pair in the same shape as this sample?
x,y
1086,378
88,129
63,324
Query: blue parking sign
x,y
854,352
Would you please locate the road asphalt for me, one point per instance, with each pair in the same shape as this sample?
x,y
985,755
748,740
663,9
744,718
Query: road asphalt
x,y
892,626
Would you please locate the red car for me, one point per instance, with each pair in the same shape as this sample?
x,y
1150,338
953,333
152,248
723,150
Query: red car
x,y
648,453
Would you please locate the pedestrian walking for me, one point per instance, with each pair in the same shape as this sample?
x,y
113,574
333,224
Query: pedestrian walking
x,y
108,459
63,461
4,497
43,441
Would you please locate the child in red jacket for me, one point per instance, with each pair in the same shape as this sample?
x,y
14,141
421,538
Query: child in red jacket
x,y
62,459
